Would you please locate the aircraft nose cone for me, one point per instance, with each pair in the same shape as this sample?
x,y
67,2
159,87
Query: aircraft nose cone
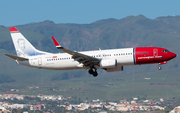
x,y
173,55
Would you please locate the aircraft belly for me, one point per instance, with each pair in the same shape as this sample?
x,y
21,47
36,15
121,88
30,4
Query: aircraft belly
x,y
61,65
69,64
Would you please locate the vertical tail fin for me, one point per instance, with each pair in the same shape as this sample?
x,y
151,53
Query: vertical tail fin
x,y
23,47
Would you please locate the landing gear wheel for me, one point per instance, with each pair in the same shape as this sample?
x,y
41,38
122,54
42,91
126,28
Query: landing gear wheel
x,y
95,74
159,67
91,71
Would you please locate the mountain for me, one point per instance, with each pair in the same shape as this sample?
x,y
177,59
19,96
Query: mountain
x,y
131,31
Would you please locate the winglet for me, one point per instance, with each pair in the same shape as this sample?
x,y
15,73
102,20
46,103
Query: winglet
x,y
13,29
56,42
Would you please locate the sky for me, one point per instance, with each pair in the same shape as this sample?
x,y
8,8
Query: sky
x,y
20,12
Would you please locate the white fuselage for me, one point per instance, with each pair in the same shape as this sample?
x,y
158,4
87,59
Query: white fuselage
x,y
111,60
64,61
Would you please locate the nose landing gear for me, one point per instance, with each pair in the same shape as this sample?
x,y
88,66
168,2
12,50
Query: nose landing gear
x,y
161,64
159,67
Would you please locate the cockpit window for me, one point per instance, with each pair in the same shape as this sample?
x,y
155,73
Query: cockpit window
x,y
165,50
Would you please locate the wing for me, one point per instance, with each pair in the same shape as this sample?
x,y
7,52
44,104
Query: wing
x,y
81,58
16,57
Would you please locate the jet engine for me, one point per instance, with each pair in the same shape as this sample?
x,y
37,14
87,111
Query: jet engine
x,y
108,63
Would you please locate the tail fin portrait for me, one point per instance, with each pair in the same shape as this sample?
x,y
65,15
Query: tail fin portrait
x,y
22,46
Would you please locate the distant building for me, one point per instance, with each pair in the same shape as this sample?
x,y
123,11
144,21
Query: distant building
x,y
68,107
175,110
147,78
39,107
32,107
11,93
20,106
5,111
133,101
118,108
113,103
96,100
146,101
161,99
2,108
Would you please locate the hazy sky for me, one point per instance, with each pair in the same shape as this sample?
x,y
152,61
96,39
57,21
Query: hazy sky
x,y
20,12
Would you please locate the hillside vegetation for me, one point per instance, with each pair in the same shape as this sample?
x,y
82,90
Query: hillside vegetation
x,y
132,31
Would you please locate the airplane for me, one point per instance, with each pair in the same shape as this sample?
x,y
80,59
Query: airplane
x,y
111,60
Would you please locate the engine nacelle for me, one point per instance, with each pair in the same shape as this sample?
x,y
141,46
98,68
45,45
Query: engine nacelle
x,y
108,63
119,68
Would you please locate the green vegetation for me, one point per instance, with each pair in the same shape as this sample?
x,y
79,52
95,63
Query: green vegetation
x,y
132,31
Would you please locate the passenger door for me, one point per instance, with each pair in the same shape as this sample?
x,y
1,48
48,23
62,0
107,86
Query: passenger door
x,y
39,61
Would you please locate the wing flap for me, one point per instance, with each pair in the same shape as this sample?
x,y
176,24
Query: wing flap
x,y
16,57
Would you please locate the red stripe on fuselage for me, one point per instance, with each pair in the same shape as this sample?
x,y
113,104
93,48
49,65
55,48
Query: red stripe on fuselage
x,y
148,55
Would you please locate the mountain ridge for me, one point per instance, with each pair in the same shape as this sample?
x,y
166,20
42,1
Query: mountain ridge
x,y
131,31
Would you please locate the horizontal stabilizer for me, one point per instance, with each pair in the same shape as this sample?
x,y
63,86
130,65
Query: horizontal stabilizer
x,y
16,57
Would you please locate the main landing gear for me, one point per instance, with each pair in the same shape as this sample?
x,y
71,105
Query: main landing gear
x,y
93,71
